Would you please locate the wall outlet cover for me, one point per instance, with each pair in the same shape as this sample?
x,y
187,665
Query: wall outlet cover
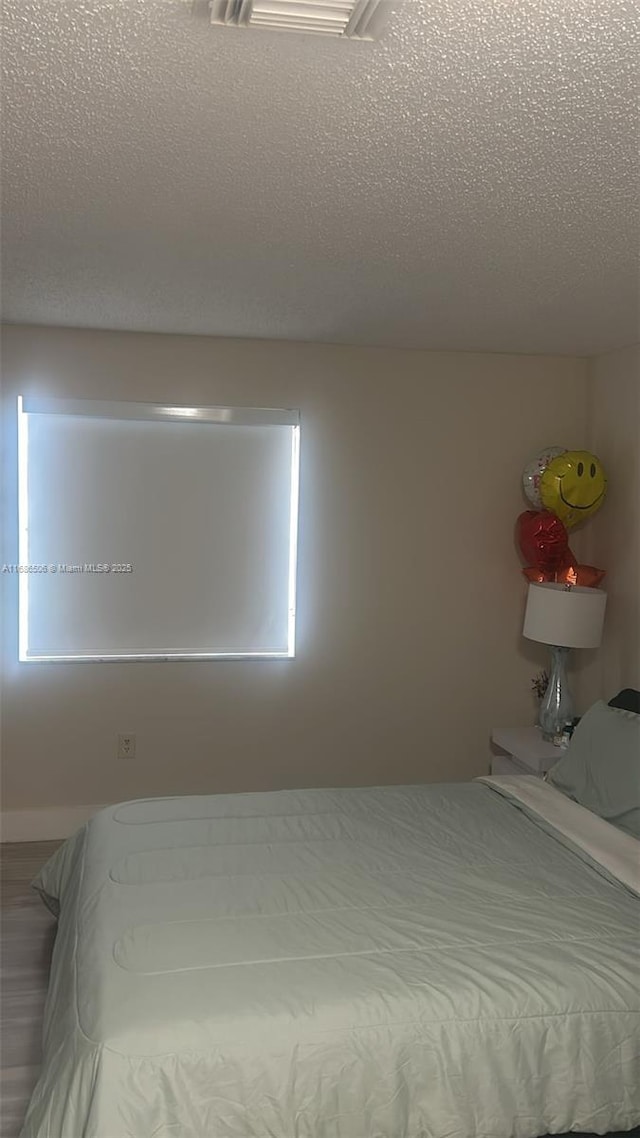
x,y
126,746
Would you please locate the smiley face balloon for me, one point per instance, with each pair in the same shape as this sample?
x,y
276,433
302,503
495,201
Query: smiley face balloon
x,y
573,486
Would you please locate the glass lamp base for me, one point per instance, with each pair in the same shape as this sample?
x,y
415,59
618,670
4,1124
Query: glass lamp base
x,y
556,709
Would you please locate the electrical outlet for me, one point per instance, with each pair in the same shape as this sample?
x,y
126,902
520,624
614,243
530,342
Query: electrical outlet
x,y
126,746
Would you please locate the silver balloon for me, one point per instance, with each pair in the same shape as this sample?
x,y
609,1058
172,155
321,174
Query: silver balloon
x,y
533,471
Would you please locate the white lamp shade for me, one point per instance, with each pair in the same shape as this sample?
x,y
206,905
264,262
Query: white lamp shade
x,y
570,617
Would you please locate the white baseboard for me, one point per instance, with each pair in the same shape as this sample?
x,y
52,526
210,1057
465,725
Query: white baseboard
x,y
43,824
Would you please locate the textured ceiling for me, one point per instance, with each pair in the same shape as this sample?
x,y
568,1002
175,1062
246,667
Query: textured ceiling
x,y
471,181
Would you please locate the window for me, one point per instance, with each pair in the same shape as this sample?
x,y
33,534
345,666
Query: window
x,y
152,532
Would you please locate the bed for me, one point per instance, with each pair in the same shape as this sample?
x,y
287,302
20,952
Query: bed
x,y
443,961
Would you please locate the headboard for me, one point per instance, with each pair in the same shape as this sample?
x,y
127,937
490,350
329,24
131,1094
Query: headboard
x,y
627,700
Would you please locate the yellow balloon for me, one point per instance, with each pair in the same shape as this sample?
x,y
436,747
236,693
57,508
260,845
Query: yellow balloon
x,y
573,486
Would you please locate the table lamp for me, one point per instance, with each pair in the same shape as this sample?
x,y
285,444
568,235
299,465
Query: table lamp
x,y
563,616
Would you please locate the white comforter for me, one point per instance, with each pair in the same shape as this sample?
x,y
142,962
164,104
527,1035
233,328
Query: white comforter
x,y
412,962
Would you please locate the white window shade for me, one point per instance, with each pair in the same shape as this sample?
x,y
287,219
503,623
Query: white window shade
x,y
200,502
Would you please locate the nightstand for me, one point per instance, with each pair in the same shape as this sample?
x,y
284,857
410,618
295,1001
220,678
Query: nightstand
x,y
522,750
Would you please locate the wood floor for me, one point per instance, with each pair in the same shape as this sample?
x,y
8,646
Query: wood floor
x,y
26,940
27,936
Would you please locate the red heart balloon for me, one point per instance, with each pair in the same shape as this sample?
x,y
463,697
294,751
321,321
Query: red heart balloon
x,y
544,542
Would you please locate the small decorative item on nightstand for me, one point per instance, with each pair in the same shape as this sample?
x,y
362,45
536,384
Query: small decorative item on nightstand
x,y
539,685
522,750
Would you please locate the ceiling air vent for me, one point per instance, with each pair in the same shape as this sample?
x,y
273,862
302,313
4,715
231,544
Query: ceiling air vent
x,y
356,19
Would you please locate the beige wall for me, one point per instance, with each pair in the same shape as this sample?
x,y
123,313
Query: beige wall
x,y
614,533
410,597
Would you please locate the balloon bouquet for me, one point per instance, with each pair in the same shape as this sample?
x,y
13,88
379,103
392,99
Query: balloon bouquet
x,y
566,487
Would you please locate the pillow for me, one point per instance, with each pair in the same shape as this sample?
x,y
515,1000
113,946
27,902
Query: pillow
x,y
601,767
